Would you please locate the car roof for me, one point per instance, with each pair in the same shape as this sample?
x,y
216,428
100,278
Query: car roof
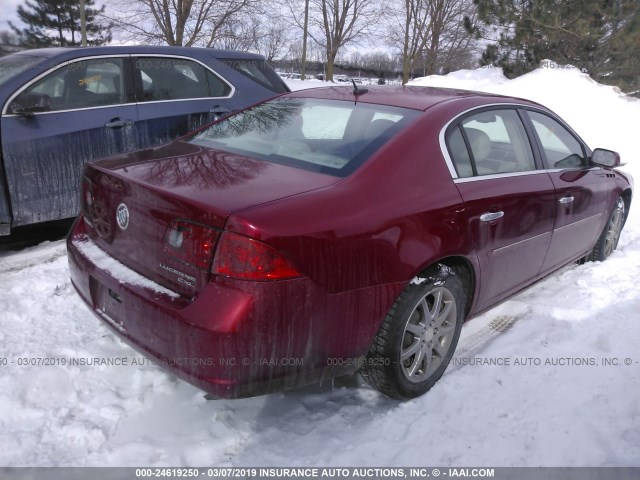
x,y
72,52
414,97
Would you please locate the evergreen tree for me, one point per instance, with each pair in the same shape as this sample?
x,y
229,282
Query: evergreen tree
x,y
56,23
598,36
621,61
8,38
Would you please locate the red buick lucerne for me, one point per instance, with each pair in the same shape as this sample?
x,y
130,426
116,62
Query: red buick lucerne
x,y
333,230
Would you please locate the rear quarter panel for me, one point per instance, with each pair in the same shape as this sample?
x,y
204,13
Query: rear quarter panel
x,y
384,224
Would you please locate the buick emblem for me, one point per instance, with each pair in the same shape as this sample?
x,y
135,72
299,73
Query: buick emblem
x,y
122,216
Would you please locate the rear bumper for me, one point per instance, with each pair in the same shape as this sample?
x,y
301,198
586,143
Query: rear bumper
x,y
237,338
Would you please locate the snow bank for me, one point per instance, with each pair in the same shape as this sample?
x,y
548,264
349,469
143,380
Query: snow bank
x,y
534,382
309,83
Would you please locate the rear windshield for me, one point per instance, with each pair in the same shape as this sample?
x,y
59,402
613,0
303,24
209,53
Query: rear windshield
x,y
327,136
258,71
12,65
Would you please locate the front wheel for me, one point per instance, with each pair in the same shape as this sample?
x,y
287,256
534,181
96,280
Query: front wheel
x,y
417,339
608,240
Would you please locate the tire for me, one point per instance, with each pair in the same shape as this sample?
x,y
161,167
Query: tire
x,y
417,338
608,240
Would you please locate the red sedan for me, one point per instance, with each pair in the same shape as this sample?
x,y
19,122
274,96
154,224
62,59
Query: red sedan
x,y
333,230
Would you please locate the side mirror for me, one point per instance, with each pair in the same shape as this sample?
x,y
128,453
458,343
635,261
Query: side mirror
x,y
605,158
30,103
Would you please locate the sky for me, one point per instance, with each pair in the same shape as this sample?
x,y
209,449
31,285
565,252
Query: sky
x,y
8,12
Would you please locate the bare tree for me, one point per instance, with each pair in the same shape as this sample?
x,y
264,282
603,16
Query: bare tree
x,y
315,53
272,39
449,44
411,19
430,29
177,22
336,23
237,33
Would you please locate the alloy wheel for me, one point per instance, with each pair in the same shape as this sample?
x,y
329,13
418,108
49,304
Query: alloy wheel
x,y
428,334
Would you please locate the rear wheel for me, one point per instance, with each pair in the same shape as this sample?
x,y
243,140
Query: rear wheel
x,y
608,240
418,336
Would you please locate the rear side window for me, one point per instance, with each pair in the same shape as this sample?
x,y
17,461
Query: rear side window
x,y
83,84
164,78
258,71
490,142
459,153
327,136
561,149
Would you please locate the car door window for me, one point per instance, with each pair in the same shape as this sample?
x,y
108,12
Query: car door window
x,y
165,78
497,143
82,84
561,149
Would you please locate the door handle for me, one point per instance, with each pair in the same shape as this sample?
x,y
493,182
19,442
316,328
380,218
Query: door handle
x,y
566,200
118,123
491,216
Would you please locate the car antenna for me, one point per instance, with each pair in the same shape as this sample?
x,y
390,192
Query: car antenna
x,y
358,91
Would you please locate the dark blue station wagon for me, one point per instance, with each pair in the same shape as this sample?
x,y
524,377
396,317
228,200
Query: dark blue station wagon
x,y
62,107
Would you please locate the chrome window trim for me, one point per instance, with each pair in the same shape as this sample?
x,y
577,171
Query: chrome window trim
x,y
9,115
494,176
557,170
195,99
518,174
449,161
498,175
51,70
124,56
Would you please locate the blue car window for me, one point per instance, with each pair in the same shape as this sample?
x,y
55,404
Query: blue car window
x,y
258,71
217,88
166,78
83,84
12,65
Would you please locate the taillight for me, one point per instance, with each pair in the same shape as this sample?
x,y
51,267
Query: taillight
x,y
190,243
241,257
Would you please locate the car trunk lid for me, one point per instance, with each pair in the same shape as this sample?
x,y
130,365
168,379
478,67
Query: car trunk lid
x,y
160,211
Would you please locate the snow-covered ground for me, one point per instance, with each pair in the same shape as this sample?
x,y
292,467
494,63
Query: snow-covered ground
x,y
554,404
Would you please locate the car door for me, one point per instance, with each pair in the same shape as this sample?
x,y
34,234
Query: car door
x,y
177,95
582,190
509,201
91,114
